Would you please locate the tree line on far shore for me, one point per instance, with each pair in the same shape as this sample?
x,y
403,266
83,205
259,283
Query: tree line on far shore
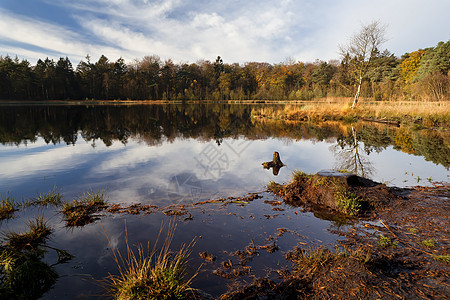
x,y
420,75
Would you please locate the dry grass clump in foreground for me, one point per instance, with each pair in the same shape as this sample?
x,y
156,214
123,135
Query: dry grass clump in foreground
x,y
155,275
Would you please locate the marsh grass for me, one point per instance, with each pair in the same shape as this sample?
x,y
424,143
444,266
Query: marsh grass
x,y
299,175
384,242
37,234
275,188
23,274
152,275
79,211
52,197
7,207
431,114
348,202
429,243
307,261
311,259
444,258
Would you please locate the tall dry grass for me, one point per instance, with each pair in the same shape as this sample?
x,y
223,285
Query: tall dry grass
x,y
153,275
429,113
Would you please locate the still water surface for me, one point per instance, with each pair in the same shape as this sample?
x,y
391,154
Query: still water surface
x,y
181,154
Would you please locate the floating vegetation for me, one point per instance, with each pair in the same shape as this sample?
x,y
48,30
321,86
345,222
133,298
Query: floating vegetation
x,y
158,275
207,256
80,211
7,207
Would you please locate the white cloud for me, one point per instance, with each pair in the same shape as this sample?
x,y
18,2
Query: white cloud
x,y
238,31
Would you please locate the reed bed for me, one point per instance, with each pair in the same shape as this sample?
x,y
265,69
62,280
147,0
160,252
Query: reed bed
x,y
432,114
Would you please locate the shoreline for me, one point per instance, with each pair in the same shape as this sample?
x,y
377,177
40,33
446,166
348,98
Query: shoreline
x,y
413,113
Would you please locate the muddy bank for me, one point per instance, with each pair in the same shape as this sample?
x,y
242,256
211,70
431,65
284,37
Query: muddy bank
x,y
398,246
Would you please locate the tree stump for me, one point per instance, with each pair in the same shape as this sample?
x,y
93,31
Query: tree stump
x,y
276,164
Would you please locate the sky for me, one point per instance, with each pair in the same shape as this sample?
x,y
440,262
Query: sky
x,y
239,31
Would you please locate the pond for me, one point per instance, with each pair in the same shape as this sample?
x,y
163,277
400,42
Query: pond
x,y
182,154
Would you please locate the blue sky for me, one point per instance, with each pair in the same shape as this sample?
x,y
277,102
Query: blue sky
x,y
191,30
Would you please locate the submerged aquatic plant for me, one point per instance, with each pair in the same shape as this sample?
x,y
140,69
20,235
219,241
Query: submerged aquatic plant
x,y
7,207
157,275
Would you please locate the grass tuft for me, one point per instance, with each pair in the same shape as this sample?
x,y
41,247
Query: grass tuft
x,y
430,243
275,188
7,207
299,175
23,273
37,234
348,202
79,211
444,258
311,259
159,275
52,197
384,242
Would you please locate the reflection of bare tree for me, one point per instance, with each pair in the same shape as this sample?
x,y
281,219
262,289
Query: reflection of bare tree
x,y
350,156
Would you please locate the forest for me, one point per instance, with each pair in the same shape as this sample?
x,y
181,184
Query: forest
x,y
422,75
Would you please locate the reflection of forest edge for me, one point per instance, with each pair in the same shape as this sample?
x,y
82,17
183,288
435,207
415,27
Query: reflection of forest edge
x,y
158,123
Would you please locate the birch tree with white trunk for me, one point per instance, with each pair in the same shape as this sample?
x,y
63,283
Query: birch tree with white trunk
x,y
361,49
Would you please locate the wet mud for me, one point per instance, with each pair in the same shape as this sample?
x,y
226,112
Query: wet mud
x,y
397,247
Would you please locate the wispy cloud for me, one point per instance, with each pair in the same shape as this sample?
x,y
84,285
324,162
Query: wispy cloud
x,y
239,31
29,37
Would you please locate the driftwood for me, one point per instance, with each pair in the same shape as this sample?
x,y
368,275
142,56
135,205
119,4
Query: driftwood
x,y
276,164
388,122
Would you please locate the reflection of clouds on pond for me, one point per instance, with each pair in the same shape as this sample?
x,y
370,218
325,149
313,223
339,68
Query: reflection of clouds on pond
x,y
45,159
139,173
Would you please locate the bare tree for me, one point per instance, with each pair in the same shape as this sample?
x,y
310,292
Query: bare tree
x,y
362,48
351,156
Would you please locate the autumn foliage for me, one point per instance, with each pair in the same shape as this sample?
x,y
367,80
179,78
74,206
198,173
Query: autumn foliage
x,y
419,75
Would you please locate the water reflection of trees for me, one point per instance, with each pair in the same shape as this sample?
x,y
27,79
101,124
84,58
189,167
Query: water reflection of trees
x,y
155,124
352,155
